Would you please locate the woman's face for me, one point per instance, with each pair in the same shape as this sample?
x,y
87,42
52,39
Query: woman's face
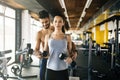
x,y
58,22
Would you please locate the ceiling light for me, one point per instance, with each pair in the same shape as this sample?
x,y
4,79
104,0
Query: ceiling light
x,y
83,14
80,19
62,3
87,5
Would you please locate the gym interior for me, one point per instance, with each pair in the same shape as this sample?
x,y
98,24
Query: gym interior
x,y
96,37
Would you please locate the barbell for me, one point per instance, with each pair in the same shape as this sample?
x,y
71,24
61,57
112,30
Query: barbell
x,y
5,52
97,49
93,49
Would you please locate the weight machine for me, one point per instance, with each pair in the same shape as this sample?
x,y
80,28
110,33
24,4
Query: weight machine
x,y
90,49
25,62
25,56
114,71
3,65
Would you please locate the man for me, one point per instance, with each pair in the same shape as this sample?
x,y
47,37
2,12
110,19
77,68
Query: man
x,y
45,21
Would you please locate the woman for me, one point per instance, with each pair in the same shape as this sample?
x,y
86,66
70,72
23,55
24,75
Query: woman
x,y
58,43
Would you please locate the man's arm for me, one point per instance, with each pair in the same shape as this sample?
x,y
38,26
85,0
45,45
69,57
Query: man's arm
x,y
46,43
46,49
38,42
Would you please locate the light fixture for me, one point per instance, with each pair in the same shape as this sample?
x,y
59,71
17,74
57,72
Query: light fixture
x,y
80,20
62,3
87,5
83,14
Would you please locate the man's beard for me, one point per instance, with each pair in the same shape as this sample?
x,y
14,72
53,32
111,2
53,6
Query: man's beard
x,y
47,26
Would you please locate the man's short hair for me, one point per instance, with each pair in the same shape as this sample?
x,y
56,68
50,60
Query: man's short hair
x,y
43,14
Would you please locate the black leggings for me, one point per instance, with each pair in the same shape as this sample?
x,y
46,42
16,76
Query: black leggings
x,y
57,75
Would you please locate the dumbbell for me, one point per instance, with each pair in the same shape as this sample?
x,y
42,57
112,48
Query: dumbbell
x,y
15,69
63,56
44,54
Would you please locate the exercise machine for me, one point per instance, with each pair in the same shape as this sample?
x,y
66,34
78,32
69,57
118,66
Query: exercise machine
x,y
25,61
3,65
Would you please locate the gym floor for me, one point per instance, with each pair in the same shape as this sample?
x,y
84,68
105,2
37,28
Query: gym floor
x,y
32,70
26,72
82,62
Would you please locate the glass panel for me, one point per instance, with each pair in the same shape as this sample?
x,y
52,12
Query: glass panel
x,y
10,12
10,37
35,27
1,33
119,33
1,9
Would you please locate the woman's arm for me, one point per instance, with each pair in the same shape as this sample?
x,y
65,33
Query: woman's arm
x,y
69,44
74,51
69,47
71,50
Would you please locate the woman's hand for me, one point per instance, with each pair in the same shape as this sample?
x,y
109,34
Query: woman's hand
x,y
74,55
68,60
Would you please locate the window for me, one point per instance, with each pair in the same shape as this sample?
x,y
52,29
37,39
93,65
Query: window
x,y
10,37
7,31
1,33
35,27
2,9
10,12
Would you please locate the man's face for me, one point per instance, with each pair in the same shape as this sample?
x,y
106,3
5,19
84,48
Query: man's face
x,y
45,22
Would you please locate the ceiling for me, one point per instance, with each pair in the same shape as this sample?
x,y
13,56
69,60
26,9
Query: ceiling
x,y
72,8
